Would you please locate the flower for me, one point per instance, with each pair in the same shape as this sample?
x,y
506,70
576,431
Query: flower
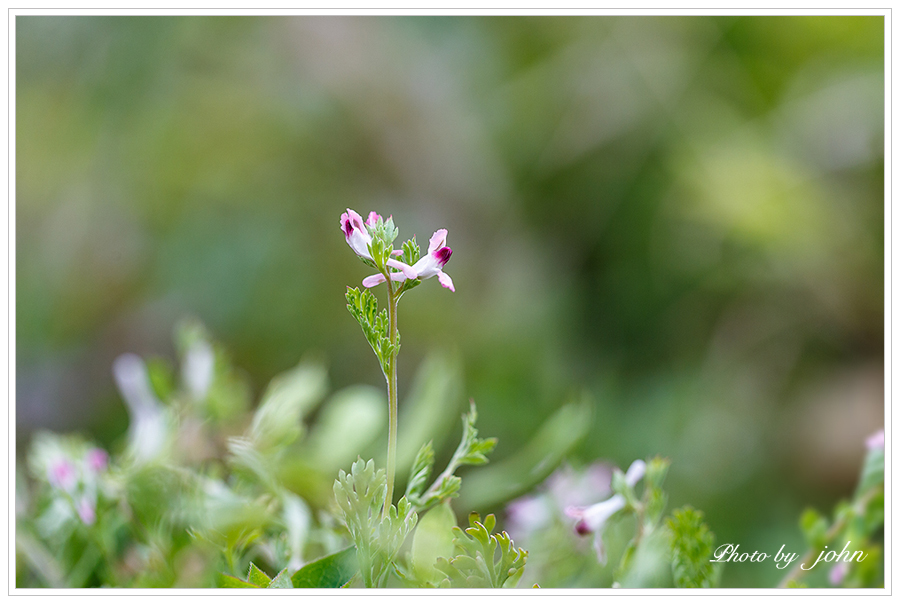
x,y
96,460
428,265
528,514
564,488
86,511
876,441
62,475
359,239
838,573
148,428
592,519
199,368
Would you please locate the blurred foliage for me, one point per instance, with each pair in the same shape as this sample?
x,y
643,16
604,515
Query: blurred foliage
x,y
682,217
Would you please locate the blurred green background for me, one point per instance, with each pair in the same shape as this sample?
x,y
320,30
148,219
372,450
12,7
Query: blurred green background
x,y
682,217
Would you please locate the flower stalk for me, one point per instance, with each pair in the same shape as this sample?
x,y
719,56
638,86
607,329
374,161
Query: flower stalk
x,y
393,298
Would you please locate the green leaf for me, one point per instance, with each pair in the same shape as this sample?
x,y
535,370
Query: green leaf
x,y
869,572
433,539
692,549
375,325
378,537
872,471
281,581
421,470
161,376
411,252
814,527
655,505
471,451
331,571
657,468
873,514
625,562
258,577
288,398
227,581
478,564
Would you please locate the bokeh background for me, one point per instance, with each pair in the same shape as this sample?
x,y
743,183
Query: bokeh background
x,y
678,219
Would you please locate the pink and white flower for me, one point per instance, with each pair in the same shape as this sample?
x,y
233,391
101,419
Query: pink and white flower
x,y
592,519
359,239
429,265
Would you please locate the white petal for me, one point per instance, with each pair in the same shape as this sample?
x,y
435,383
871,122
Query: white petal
x,y
407,269
635,472
198,369
437,241
445,280
373,280
597,515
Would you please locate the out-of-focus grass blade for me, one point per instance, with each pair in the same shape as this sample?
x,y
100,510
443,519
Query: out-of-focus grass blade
x,y
349,422
39,559
499,482
431,410
289,397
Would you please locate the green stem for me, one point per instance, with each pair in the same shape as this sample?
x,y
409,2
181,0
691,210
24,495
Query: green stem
x,y
392,400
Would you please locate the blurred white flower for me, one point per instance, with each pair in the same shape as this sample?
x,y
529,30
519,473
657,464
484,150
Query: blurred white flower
x,y
197,370
593,519
147,429
564,488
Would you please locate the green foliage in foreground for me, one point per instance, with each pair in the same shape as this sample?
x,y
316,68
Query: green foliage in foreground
x,y
692,549
203,493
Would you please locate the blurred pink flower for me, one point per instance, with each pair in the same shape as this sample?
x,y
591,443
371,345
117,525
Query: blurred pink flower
x,y
593,519
838,573
62,475
96,460
86,511
565,488
528,514
359,239
876,441
570,488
